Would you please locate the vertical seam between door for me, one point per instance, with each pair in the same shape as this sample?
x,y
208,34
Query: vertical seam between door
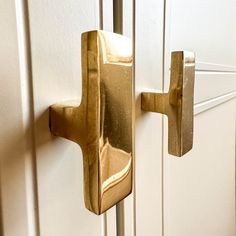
x,y
162,120
101,14
25,63
134,182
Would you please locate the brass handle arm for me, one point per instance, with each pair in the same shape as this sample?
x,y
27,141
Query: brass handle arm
x,y
155,102
177,104
102,123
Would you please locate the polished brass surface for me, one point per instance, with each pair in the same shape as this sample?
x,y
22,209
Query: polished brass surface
x,y
177,104
102,123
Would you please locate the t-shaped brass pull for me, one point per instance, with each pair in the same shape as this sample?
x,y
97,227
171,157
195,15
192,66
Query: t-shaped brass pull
x,y
177,104
102,123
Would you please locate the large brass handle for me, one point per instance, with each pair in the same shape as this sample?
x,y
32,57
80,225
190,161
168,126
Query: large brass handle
x,y
102,123
177,104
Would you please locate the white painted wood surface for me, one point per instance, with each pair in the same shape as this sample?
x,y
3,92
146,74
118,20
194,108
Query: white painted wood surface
x,y
18,212
209,85
206,27
148,132
56,28
199,188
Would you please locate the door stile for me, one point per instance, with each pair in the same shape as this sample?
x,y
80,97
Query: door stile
x,y
27,94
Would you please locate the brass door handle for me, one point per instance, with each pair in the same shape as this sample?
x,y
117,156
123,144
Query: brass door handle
x,y
102,123
177,104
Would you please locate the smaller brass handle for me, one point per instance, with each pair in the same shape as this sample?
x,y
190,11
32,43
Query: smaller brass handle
x,y
102,123
177,104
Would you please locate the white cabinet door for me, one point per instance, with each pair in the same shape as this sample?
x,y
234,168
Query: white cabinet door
x,y
41,176
199,188
17,215
55,42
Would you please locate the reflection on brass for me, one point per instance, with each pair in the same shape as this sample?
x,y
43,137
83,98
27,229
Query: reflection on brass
x,y
177,104
102,123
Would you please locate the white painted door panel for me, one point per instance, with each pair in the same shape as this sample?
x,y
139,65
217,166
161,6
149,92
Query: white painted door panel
x,y
206,27
199,188
55,29
209,85
148,132
18,209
